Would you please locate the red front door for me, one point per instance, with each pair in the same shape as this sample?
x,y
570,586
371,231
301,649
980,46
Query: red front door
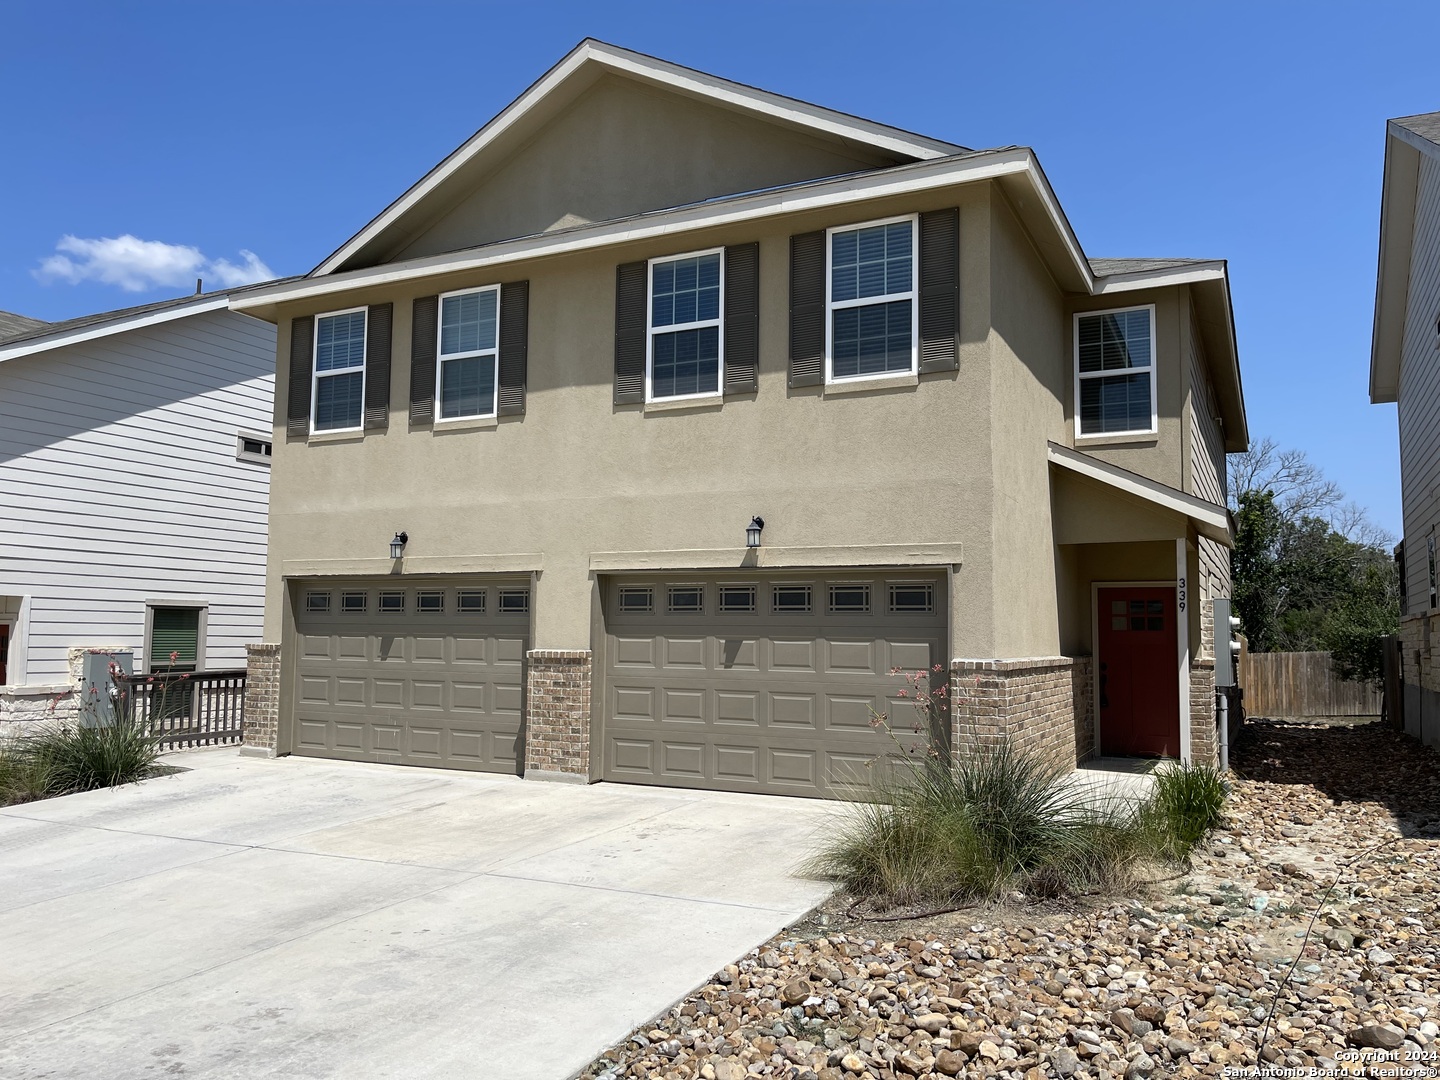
x,y
1138,669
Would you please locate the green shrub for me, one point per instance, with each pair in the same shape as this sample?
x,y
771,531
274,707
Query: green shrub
x,y
23,778
65,758
1187,804
1000,819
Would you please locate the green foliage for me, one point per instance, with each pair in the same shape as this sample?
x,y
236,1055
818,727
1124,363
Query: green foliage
x,y
1187,804
64,759
1301,585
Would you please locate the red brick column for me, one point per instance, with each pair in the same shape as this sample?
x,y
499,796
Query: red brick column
x,y
557,714
260,716
1204,733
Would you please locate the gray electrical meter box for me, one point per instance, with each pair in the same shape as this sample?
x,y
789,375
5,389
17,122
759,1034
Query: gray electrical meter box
x,y
97,688
1227,644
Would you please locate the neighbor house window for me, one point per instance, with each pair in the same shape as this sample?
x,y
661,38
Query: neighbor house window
x,y
339,371
465,369
871,309
174,639
252,448
1115,371
684,332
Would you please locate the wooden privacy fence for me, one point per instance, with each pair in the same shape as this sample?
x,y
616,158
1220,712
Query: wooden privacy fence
x,y
196,708
1299,684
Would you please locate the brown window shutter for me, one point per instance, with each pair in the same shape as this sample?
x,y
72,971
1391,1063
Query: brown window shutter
x,y
514,346
742,318
424,339
630,299
807,309
379,321
940,290
302,369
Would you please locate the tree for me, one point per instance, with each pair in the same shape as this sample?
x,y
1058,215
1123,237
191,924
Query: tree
x,y
1312,572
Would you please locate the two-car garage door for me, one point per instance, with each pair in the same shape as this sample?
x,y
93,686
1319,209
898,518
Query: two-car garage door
x,y
764,683
414,673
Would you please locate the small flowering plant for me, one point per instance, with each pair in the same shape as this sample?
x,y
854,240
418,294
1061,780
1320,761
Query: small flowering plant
x,y
926,689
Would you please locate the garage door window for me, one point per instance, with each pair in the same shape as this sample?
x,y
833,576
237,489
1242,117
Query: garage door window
x,y
791,599
470,602
353,603
514,601
635,600
430,603
391,603
912,599
737,599
686,598
317,603
850,599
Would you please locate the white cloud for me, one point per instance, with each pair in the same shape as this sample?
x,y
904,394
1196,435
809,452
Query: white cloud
x,y
137,265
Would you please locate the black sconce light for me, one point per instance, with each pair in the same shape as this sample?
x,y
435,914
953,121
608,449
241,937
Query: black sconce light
x,y
397,546
752,531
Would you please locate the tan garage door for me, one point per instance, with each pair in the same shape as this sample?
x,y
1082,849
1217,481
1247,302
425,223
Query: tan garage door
x,y
763,683
428,673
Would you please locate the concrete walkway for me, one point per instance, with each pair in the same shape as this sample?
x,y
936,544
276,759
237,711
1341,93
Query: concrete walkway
x,y
298,918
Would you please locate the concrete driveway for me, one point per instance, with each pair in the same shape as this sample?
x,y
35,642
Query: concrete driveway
x,y
299,918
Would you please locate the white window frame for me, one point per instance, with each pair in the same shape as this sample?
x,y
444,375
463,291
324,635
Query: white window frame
x,y
441,359
651,329
241,454
316,374
1075,365
832,306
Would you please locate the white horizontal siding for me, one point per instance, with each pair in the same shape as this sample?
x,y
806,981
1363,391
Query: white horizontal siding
x,y
119,484
1419,392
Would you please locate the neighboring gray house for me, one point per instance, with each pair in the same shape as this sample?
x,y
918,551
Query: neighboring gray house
x,y
1405,369
134,482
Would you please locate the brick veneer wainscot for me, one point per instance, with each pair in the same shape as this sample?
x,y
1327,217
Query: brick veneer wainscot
x,y
260,717
557,711
1041,704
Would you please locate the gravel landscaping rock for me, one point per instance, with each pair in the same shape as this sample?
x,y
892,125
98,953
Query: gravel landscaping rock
x,y
1175,981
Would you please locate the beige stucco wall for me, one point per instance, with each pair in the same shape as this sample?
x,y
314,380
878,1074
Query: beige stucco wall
x,y
613,153
577,474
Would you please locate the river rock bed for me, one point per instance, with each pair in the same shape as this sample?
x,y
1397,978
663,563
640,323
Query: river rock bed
x,y
1178,980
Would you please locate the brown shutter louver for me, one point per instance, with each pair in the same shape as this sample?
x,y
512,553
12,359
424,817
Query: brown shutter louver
x,y
514,346
742,318
940,290
302,365
379,321
424,339
630,296
807,309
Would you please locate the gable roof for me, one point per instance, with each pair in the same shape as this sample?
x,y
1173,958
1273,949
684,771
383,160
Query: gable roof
x,y
13,326
45,336
1406,140
577,71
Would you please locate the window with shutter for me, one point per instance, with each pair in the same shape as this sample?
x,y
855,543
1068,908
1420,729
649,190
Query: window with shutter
x,y
339,381
302,363
871,311
514,346
683,346
807,309
742,318
424,338
174,632
631,320
468,356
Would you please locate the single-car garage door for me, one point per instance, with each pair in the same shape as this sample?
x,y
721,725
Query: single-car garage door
x,y
764,683
424,673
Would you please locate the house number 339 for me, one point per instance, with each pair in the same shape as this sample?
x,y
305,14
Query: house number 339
x,y
1180,593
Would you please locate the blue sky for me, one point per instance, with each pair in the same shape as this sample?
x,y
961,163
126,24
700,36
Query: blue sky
x,y
1252,132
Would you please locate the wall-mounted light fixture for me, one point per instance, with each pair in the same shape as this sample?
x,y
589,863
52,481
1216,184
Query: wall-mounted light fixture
x,y
752,531
397,545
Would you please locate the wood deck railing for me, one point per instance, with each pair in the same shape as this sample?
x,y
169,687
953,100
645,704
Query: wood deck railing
x,y
193,708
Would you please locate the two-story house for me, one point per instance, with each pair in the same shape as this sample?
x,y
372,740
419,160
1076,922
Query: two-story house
x,y
648,432
134,478
1403,370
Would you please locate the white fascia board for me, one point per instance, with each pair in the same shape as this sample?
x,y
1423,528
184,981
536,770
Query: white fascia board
x,y
1210,519
1155,279
819,195
724,91
105,329
1399,190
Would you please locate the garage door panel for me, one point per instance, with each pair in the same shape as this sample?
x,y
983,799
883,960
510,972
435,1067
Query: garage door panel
x,y
441,688
792,711
736,707
760,699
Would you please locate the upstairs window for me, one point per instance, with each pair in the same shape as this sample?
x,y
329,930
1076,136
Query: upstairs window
x,y
1115,372
684,330
870,308
465,380
339,389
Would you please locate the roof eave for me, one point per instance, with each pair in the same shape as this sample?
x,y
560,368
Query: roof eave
x,y
1392,275
46,342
